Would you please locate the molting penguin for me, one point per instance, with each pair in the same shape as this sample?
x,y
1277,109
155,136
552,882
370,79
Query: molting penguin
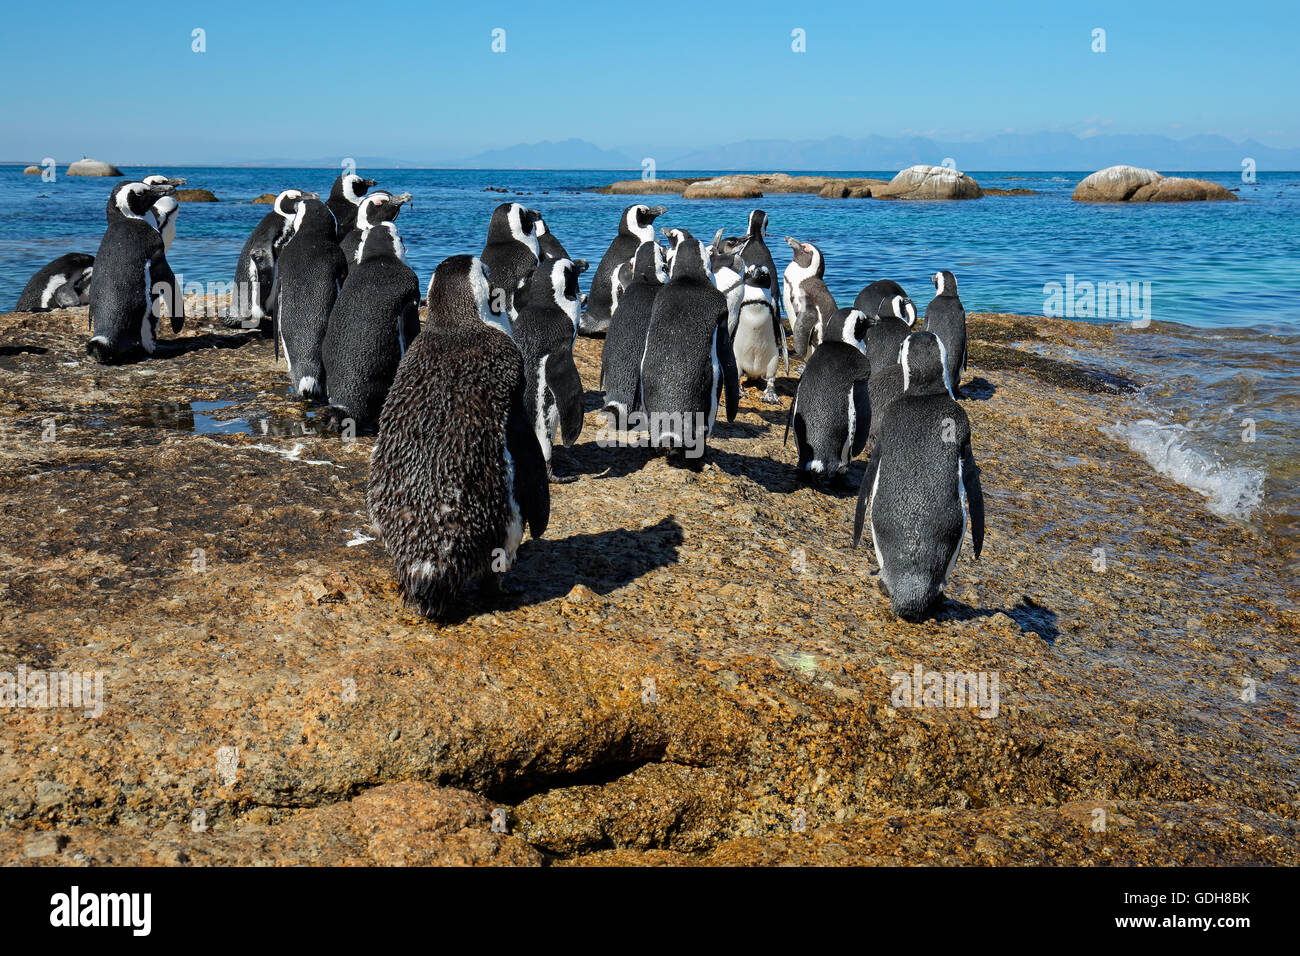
x,y
61,284
510,253
379,206
946,318
545,331
634,227
374,321
921,484
255,271
456,471
831,412
620,360
345,196
688,359
808,302
308,276
131,277
759,338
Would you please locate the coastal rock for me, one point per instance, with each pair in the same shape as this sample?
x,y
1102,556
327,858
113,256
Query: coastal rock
x,y
850,188
92,167
1018,191
33,171
197,195
929,182
1135,184
724,187
265,199
748,186
647,187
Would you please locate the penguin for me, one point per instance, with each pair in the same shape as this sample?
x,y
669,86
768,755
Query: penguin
x,y
163,214
456,472
345,196
308,276
831,412
892,321
884,387
510,253
255,271
758,339
545,331
869,299
921,485
946,318
728,275
374,321
131,276
548,247
378,206
60,284
634,227
755,253
688,359
620,360
808,302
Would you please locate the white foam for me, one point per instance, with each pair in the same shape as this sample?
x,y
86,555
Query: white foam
x,y
1232,491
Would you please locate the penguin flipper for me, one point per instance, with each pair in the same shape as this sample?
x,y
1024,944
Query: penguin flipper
x,y
411,320
864,494
862,416
778,336
730,374
532,488
565,383
970,476
174,298
802,331
789,417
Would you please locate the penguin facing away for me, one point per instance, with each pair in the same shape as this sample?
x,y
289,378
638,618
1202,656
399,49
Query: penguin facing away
x,y
635,226
456,471
809,303
548,247
893,320
255,270
345,196
946,318
60,284
375,319
308,276
921,484
132,277
625,339
378,206
869,300
831,412
510,252
545,331
688,359
759,338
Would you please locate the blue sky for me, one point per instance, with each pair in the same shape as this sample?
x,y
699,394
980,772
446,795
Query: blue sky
x,y
420,81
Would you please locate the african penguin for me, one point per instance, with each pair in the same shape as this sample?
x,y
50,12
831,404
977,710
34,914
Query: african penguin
x,y
548,247
60,284
892,321
728,270
374,321
831,412
545,331
808,302
635,226
758,340
378,206
345,196
946,318
688,359
869,300
755,253
255,271
132,278
921,484
308,276
456,471
620,360
510,252
163,213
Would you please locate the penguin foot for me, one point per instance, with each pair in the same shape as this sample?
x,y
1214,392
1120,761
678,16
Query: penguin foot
x,y
493,586
555,479
770,395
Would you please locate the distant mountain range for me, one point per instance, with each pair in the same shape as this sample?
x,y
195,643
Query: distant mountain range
x,y
1006,151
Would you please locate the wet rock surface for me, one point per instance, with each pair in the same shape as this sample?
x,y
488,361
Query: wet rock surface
x,y
1135,184
699,668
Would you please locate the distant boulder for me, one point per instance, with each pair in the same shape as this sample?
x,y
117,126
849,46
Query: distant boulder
x,y
266,199
1135,184
92,167
929,182
850,188
33,171
646,187
197,195
724,187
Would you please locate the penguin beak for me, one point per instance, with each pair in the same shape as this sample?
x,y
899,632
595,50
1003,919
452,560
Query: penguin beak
x,y
175,181
157,192
794,243
656,212
305,196
402,199
370,183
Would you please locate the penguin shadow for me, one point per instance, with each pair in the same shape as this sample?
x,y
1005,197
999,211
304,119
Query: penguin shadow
x,y
1028,614
603,561
9,350
977,390
175,348
592,460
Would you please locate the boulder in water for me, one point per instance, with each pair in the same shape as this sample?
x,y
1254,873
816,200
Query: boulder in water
x,y
92,167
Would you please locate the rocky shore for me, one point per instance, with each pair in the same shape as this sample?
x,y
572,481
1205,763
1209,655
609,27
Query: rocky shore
x,y
916,182
699,668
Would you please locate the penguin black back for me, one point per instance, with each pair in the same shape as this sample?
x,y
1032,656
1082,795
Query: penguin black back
x,y
625,339
510,252
946,318
378,206
60,284
345,196
831,413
